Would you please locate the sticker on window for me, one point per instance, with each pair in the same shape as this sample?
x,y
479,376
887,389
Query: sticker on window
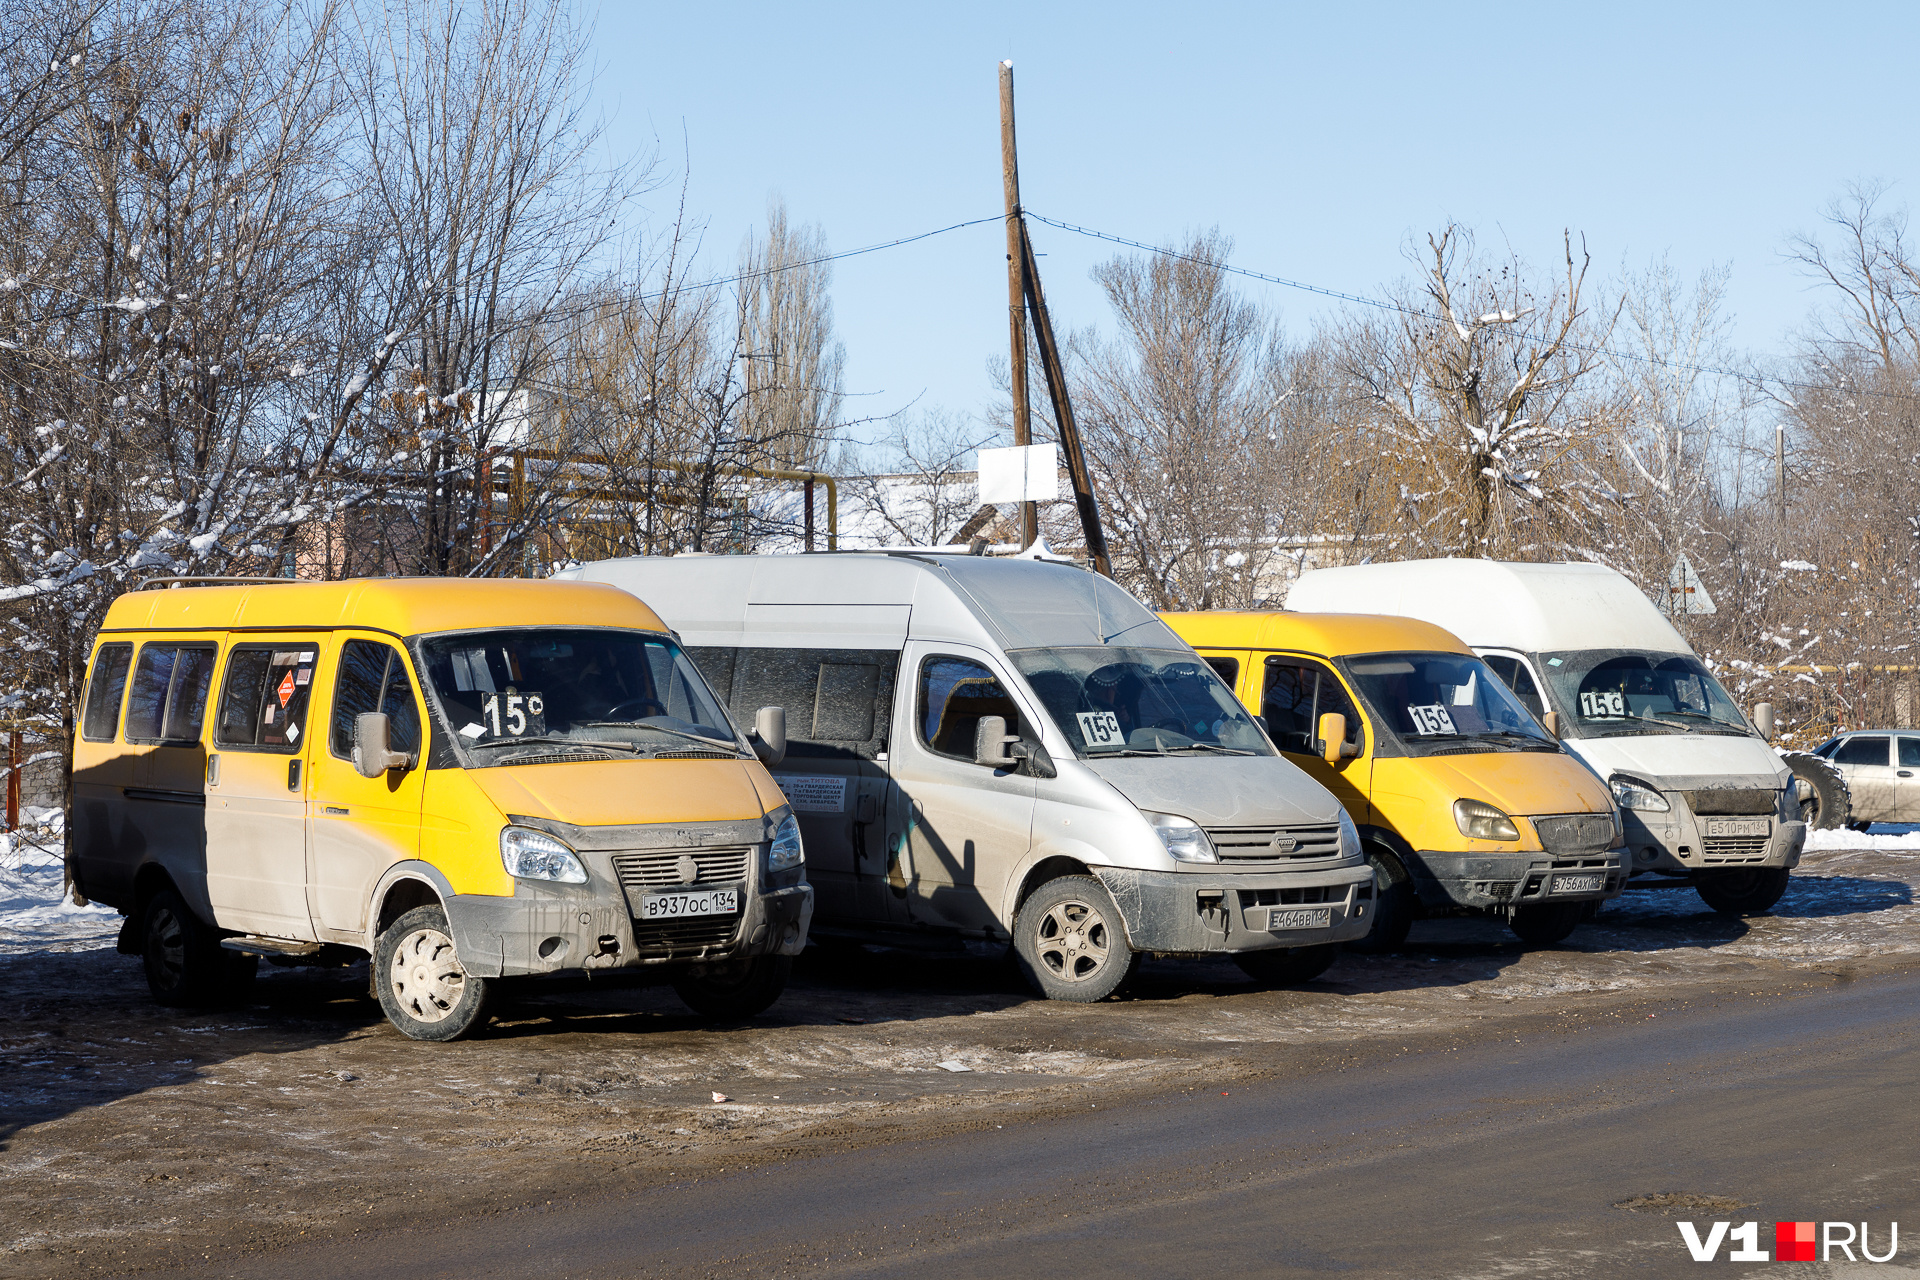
x,y
513,715
1099,728
1431,719
1601,705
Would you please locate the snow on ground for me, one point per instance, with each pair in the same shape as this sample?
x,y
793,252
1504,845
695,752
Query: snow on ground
x,y
1881,835
34,913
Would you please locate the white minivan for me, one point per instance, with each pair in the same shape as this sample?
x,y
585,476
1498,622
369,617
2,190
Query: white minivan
x,y
983,751
1704,800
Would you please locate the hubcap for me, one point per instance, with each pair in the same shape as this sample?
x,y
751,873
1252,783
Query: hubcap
x,y
1073,942
426,975
166,947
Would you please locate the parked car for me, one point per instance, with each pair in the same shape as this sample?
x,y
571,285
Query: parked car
x,y
467,780
1464,802
993,751
1882,772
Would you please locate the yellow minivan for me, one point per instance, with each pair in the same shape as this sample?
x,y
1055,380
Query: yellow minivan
x,y
467,780
1465,803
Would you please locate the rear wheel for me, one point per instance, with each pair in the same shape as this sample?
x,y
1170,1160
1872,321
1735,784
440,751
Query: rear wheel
x,y
185,963
1393,902
1546,923
743,989
423,989
1828,805
1071,943
1748,891
1286,966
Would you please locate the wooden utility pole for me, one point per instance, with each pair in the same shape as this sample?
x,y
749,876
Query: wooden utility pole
x,y
1063,412
1016,293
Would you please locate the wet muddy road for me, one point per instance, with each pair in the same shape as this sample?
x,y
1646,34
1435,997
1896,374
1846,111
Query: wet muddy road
x,y
1518,1093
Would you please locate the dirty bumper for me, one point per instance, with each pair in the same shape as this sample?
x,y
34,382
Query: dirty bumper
x,y
1498,881
1187,914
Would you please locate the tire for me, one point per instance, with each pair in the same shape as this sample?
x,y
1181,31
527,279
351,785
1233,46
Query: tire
x,y
1831,804
1747,891
1071,943
1546,923
1394,903
185,963
1287,966
744,989
424,991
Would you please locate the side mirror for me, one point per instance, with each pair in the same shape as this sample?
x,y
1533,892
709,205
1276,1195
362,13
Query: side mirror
x,y
990,743
769,736
1763,719
373,752
1333,735
1035,760
1551,723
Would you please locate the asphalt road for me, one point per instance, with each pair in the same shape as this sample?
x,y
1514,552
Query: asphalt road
x,y
1454,1157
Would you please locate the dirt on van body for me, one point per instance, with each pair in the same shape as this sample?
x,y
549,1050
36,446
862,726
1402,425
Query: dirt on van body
x,y
135,1137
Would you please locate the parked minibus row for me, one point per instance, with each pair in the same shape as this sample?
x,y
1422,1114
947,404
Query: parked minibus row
x,y
693,764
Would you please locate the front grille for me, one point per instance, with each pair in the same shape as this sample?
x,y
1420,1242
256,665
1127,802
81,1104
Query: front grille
x,y
685,937
1735,849
1723,802
1575,832
657,867
1250,845
1313,895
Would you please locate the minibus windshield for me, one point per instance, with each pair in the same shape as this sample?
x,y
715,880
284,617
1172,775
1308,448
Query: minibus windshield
x,y
1139,702
1605,693
557,694
1440,702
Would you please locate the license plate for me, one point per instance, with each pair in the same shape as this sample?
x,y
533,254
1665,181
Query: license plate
x,y
1737,826
672,906
1579,884
1299,918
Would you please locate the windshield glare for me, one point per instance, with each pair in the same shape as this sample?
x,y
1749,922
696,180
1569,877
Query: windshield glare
x,y
1609,691
592,692
1111,701
1435,699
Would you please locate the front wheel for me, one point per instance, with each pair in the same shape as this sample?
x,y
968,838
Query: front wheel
x,y
1071,943
423,988
1745,892
1287,966
1546,923
744,989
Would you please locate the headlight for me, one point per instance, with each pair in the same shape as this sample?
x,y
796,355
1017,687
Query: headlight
x,y
535,855
1631,793
785,851
1184,839
1349,836
1479,820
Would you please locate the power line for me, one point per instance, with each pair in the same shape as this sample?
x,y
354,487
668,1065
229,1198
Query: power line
x,y
830,257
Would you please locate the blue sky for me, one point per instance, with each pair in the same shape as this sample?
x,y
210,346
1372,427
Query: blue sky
x,y
1319,137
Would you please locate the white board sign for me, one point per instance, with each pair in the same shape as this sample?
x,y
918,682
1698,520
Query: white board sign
x,y
1099,728
814,793
1023,473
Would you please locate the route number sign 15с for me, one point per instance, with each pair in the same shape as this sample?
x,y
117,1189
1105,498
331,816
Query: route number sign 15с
x,y
514,715
1606,704
1100,728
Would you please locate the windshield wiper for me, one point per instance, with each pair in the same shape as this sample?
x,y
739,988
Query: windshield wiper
x,y
1123,751
1213,746
558,742
660,728
1516,735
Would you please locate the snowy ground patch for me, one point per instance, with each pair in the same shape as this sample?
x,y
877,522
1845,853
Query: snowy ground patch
x,y
35,914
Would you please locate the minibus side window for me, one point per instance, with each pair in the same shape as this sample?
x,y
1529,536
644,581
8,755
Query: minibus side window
x,y
1297,694
954,694
263,703
373,677
105,692
837,700
1518,679
169,698
1228,669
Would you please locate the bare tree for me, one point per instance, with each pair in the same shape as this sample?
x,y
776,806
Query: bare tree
x,y
792,364
918,483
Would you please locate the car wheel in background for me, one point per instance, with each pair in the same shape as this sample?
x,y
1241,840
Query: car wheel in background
x,y
423,988
1829,806
1286,966
185,963
1546,923
743,989
1394,902
1071,943
1742,891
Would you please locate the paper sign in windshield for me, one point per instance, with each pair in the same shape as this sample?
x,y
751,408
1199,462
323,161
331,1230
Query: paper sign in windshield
x,y
1599,706
1431,719
814,793
1100,728
514,715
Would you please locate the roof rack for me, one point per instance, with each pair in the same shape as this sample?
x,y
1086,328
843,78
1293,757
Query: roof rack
x,y
168,583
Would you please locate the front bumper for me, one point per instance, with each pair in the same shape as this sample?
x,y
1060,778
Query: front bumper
x,y
1680,842
1498,882
1188,913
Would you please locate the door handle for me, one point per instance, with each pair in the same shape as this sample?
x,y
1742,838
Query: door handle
x,y
293,775
1904,773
